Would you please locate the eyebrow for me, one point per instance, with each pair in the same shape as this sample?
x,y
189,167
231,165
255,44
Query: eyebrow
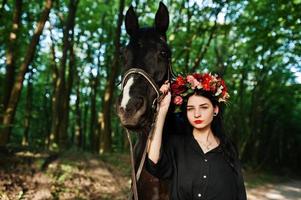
x,y
204,104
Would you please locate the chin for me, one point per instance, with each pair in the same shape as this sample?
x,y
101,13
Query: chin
x,y
200,126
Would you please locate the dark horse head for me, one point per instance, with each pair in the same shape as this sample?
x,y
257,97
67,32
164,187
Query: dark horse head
x,y
147,50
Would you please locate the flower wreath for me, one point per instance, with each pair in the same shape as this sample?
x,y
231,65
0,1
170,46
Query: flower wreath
x,y
184,86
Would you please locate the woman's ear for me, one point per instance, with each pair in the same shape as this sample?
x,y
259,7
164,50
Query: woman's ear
x,y
215,110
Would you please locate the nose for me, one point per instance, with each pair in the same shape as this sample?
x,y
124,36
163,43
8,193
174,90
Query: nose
x,y
197,113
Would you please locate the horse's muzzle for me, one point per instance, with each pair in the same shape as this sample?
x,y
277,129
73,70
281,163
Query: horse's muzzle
x,y
131,115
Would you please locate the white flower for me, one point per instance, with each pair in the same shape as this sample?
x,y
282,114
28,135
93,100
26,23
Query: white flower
x,y
219,90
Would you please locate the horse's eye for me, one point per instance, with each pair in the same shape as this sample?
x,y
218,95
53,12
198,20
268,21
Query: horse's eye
x,y
163,54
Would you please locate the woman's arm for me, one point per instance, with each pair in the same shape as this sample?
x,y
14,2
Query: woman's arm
x,y
155,142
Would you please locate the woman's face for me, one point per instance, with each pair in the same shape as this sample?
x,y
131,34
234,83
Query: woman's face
x,y
200,111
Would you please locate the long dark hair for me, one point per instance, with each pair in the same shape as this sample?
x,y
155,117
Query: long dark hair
x,y
229,148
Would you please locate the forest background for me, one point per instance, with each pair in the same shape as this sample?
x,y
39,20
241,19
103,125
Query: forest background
x,y
61,62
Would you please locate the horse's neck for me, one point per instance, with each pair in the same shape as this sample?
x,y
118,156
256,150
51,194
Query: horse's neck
x,y
139,147
143,137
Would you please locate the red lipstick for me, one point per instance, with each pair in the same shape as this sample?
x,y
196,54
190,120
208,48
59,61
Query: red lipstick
x,y
198,121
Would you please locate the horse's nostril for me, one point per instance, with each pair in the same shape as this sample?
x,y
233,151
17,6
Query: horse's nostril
x,y
134,105
139,102
121,110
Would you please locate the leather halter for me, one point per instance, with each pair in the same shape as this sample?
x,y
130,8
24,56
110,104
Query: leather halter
x,y
150,80
147,77
160,96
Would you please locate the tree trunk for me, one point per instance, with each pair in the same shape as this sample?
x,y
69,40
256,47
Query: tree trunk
x,y
65,121
46,125
11,54
85,122
28,108
52,135
78,117
106,142
62,91
92,128
10,111
8,81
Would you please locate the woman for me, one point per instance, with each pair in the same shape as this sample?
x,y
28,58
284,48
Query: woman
x,y
201,163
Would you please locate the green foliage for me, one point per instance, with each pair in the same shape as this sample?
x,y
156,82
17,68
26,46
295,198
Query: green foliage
x,y
255,45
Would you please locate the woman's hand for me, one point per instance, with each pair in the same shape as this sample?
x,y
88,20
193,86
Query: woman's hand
x,y
165,102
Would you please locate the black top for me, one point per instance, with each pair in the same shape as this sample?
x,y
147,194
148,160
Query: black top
x,y
194,174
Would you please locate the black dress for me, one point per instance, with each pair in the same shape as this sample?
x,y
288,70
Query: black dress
x,y
196,175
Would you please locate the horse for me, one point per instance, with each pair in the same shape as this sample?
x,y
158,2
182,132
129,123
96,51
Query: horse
x,y
147,57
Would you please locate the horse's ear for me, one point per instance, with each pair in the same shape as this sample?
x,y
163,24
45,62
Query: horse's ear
x,y
162,19
131,21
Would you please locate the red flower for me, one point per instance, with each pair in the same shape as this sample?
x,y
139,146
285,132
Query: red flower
x,y
206,86
180,80
197,76
207,78
177,89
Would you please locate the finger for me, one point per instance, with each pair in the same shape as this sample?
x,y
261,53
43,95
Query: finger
x,y
165,87
164,91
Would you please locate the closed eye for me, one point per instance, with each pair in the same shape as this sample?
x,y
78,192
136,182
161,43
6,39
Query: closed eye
x,y
192,108
204,107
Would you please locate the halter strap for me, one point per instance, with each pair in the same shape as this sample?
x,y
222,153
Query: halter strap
x,y
171,74
149,79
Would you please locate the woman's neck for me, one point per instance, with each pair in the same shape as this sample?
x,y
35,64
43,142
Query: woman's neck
x,y
204,134
205,138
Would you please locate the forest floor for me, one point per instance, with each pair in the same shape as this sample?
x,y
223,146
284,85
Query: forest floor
x,y
263,186
79,175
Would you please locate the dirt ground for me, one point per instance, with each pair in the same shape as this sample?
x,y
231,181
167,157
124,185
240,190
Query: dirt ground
x,y
82,176
71,176
281,191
